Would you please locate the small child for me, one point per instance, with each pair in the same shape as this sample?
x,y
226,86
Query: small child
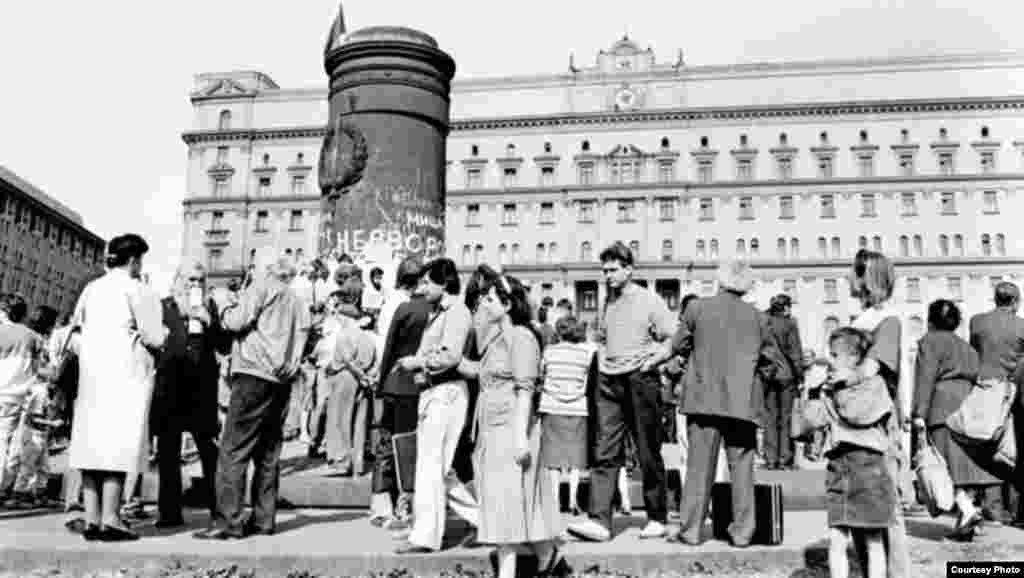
x,y
569,373
33,466
861,493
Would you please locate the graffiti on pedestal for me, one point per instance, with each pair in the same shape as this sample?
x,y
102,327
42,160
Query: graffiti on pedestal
x,y
396,216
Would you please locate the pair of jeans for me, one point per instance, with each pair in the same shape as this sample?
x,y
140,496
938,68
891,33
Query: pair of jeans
x,y
628,405
253,431
11,415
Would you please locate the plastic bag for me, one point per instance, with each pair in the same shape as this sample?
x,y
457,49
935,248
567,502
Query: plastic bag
x,y
935,486
1006,451
981,417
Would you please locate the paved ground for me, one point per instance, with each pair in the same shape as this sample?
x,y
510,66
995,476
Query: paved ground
x,y
342,543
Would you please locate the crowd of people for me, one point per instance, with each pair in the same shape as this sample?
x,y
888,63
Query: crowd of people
x,y
437,383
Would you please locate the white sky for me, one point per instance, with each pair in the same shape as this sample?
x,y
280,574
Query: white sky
x,y
95,93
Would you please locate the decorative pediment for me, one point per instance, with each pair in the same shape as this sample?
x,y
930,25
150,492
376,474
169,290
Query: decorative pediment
x,y
586,158
223,87
626,151
546,160
784,152
303,169
986,145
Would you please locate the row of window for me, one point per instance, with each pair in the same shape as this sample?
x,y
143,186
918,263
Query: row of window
x,y
990,246
215,257
627,211
221,186
627,165
262,222
221,173
20,216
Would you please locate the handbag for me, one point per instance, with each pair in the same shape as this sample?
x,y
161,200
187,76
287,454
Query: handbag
x,y
1006,451
935,486
982,416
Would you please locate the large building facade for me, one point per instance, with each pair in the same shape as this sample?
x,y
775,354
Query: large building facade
x,y
792,166
46,253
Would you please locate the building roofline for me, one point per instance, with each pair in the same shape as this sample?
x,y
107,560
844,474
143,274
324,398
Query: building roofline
x,y
753,112
33,192
685,72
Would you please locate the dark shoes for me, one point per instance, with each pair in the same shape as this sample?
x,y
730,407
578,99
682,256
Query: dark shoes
x,y
220,534
93,532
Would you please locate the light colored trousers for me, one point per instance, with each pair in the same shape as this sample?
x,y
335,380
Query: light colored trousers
x,y
10,444
442,415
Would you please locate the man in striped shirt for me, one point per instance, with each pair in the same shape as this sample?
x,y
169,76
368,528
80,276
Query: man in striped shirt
x,y
634,335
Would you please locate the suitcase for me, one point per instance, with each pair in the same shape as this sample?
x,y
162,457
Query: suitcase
x,y
768,513
404,447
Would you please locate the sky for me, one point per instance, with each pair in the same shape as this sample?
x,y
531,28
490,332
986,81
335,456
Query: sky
x,y
108,80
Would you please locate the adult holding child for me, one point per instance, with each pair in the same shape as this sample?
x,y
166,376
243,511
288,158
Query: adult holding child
x,y
871,283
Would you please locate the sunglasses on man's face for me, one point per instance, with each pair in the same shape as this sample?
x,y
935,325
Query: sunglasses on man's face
x,y
196,279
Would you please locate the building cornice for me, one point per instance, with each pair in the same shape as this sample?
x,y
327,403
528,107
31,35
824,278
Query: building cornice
x,y
792,186
229,201
912,106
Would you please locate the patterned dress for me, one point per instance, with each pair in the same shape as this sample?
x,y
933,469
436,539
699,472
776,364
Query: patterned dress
x,y
516,505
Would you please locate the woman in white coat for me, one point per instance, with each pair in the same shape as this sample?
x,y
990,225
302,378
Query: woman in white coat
x,y
121,326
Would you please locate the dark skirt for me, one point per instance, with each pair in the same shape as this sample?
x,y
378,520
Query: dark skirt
x,y
563,441
860,492
963,469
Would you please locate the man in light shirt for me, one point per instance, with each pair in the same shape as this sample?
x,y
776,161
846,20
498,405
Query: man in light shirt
x,y
21,351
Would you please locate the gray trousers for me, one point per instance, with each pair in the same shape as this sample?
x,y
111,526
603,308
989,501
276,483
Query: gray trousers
x,y
706,434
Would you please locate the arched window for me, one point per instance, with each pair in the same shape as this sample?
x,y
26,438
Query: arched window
x,y
741,247
958,245
634,246
474,150
553,252
503,254
780,248
986,245
862,242
701,252
876,243
515,253
831,324
585,146
794,248
299,255
287,252
664,142
667,250
542,251
467,255
224,123
918,246
714,248
478,255
1000,244
755,247
837,250
823,247
904,246
943,246
586,252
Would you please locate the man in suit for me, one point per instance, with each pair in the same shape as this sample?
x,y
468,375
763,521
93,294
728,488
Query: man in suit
x,y
998,336
397,393
783,388
723,399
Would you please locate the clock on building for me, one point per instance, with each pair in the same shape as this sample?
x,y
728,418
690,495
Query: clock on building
x,y
625,98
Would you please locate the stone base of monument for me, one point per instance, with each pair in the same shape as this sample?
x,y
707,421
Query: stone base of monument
x,y
308,483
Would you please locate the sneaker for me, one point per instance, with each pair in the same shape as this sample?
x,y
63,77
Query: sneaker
x,y
653,529
590,530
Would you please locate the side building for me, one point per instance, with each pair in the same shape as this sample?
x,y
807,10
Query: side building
x,y
46,253
793,166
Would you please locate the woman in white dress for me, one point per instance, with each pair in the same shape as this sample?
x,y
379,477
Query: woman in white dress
x,y
121,326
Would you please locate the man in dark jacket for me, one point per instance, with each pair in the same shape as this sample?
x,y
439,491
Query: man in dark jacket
x,y
399,397
998,337
185,396
723,399
784,387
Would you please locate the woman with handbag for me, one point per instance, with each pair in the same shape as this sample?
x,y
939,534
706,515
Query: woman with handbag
x,y
121,321
946,369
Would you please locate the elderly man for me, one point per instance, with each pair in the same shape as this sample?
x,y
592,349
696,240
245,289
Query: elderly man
x,y
998,336
636,327
272,324
723,399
